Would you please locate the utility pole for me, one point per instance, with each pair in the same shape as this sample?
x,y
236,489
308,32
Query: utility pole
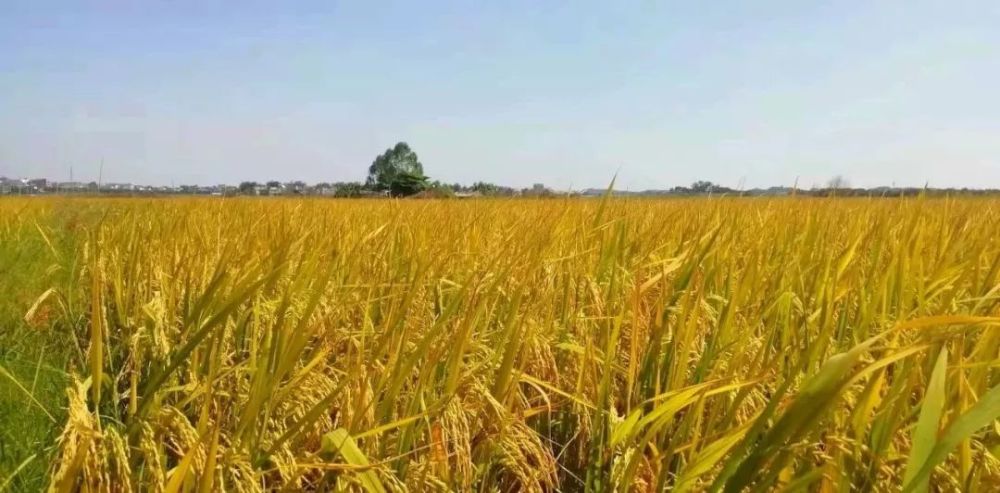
x,y
100,175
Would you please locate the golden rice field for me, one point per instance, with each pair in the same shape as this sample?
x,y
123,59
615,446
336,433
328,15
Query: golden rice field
x,y
252,345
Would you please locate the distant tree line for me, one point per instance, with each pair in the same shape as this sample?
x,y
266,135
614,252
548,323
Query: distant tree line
x,y
835,187
397,172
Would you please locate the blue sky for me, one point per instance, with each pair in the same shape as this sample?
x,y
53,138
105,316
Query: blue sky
x,y
566,93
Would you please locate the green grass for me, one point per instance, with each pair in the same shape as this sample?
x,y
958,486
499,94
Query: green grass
x,y
33,358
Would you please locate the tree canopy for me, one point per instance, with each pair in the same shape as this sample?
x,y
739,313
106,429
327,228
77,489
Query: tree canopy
x,y
406,183
394,162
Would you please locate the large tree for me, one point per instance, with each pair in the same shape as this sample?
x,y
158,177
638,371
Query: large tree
x,y
248,187
393,163
405,184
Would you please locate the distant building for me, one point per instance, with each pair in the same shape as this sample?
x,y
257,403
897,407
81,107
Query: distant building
x,y
119,187
71,186
9,185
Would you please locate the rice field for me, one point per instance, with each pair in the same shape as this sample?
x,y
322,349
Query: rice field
x,y
703,344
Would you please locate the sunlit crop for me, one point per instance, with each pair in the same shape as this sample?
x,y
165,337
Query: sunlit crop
x,y
513,345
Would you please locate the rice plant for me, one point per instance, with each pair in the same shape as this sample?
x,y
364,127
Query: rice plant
x,y
518,345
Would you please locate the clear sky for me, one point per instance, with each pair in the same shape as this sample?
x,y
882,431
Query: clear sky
x,y
565,93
